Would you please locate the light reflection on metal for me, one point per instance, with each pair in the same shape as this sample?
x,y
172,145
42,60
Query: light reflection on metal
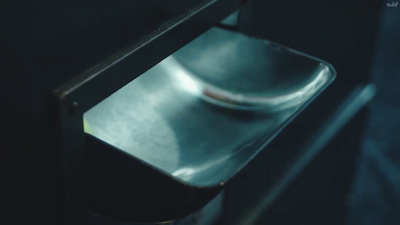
x,y
240,101
182,76
196,116
219,62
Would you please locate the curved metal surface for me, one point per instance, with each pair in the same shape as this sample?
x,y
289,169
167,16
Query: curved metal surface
x,y
166,143
239,72
251,87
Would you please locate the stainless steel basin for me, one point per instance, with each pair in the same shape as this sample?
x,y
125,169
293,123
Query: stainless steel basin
x,y
203,113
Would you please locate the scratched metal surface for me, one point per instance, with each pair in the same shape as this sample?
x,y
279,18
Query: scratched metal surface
x,y
201,119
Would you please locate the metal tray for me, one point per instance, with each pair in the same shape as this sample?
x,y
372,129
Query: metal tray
x,y
166,143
